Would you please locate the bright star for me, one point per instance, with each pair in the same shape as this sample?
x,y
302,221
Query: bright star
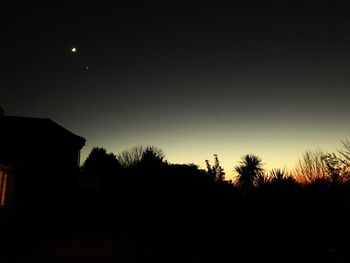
x,y
73,50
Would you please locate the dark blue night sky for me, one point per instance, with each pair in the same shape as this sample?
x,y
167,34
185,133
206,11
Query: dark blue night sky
x,y
194,79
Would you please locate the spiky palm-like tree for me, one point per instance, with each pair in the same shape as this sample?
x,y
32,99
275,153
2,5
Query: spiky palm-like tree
x,y
249,170
279,174
262,180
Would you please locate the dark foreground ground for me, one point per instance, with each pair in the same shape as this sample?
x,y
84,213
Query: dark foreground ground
x,y
219,224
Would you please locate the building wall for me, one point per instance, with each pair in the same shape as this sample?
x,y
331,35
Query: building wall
x,y
43,182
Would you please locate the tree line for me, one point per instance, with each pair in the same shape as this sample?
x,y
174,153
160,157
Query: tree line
x,y
314,167
180,212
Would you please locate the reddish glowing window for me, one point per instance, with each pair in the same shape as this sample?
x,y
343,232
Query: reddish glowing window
x,y
3,187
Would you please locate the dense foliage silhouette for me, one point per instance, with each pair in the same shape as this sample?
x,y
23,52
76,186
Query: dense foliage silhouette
x,y
249,170
144,208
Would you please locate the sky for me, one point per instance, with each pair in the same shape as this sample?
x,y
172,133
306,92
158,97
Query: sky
x,y
192,78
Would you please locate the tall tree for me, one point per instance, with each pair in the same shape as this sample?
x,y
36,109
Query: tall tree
x,y
338,164
101,166
249,170
216,171
152,156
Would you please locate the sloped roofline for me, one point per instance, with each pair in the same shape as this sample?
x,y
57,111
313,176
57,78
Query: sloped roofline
x,y
48,123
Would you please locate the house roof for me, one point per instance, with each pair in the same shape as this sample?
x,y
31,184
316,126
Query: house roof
x,y
27,129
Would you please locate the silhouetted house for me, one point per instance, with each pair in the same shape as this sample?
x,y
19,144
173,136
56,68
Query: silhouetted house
x,y
39,162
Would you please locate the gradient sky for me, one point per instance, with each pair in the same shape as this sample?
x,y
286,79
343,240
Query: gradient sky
x,y
194,79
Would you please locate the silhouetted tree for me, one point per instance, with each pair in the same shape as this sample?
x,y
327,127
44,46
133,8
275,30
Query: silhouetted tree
x,y
281,178
334,167
140,154
101,166
219,171
249,170
131,157
216,172
262,180
152,157
345,151
209,169
344,160
338,164
311,167
279,175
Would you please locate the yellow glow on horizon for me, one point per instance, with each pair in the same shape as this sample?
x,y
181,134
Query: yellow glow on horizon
x,y
278,147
